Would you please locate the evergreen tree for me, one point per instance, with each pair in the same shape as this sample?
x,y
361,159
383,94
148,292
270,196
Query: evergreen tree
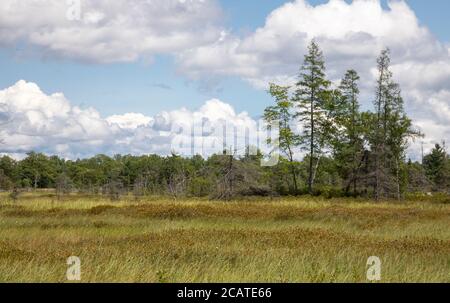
x,y
392,131
399,131
381,106
348,143
417,180
312,97
436,167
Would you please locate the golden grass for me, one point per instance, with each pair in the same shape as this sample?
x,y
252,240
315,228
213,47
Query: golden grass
x,y
191,240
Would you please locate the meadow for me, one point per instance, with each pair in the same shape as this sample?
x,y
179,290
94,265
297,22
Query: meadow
x,y
159,239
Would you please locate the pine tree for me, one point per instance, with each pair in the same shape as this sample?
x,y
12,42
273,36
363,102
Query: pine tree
x,y
392,131
348,143
399,131
436,167
381,106
312,98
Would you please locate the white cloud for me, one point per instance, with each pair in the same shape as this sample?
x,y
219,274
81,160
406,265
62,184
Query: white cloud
x,y
129,120
351,36
431,113
30,120
109,31
34,121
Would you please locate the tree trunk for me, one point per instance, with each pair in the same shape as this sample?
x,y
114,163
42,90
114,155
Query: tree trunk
x,y
315,170
35,181
378,139
311,154
293,172
397,171
294,179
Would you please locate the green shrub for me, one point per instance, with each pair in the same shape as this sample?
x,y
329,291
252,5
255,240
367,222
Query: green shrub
x,y
200,187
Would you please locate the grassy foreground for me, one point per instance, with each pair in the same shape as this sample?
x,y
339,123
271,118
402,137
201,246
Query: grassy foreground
x,y
282,240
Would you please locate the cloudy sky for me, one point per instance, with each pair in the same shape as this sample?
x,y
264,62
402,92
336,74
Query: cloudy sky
x,y
122,75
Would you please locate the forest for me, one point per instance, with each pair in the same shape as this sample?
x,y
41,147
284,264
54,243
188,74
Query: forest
x,y
347,152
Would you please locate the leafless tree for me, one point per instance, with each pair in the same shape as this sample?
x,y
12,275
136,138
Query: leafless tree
x,y
140,186
177,184
239,178
114,189
63,186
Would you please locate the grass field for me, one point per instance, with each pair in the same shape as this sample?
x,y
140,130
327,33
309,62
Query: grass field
x,y
280,240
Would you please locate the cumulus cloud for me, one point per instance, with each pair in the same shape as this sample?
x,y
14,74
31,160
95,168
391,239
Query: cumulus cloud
x,y
32,120
431,114
109,31
129,120
351,36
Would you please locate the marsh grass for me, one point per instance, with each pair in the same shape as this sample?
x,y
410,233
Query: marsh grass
x,y
283,240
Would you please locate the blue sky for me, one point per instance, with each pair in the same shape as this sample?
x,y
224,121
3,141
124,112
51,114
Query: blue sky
x,y
140,87
214,58
250,14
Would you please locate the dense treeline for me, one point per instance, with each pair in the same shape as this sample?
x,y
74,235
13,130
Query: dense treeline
x,y
220,176
348,152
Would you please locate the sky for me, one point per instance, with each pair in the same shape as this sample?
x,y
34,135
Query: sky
x,y
118,78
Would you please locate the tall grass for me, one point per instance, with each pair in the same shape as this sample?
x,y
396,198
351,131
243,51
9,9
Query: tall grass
x,y
281,240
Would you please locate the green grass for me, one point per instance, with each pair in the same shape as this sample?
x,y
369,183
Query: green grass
x,y
280,240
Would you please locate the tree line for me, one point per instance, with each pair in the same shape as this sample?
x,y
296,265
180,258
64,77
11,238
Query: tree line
x,y
219,176
347,152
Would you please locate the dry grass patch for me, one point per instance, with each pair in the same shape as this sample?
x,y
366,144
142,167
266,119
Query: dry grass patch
x,y
199,241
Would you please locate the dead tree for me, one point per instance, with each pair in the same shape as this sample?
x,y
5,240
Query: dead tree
x,y
227,179
140,187
114,189
177,184
63,186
